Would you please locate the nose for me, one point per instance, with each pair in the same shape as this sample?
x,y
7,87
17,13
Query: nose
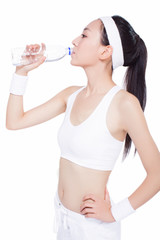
x,y
75,41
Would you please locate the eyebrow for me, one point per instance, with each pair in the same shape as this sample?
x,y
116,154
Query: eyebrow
x,y
86,29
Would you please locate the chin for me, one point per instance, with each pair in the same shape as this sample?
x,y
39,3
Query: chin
x,y
74,63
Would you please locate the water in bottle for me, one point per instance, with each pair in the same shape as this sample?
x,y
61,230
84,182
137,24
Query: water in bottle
x,y
28,55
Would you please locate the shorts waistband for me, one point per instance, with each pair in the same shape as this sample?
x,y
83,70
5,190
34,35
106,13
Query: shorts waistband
x,y
62,213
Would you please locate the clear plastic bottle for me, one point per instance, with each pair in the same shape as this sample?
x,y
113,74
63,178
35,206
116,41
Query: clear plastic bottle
x,y
25,56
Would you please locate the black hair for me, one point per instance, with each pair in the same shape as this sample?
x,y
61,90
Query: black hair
x,y
135,59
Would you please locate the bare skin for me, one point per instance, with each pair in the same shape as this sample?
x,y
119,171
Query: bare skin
x,y
72,186
82,189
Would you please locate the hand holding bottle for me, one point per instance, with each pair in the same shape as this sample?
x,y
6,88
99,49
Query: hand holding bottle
x,y
31,58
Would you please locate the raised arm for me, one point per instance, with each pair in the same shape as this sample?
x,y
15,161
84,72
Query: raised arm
x,y
16,118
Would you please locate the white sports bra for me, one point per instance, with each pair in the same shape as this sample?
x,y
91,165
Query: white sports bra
x,y
90,143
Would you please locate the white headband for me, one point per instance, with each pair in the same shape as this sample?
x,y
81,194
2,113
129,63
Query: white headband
x,y
114,41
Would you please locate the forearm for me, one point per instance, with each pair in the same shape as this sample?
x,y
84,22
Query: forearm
x,y
16,118
15,111
150,158
149,187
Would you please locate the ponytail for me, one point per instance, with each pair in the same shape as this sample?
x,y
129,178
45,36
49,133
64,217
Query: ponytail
x,y
135,84
135,75
135,59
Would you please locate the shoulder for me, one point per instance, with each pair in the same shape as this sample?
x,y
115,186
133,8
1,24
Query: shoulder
x,y
70,90
129,110
65,93
127,101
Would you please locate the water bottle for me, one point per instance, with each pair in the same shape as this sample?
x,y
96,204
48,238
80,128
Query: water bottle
x,y
24,56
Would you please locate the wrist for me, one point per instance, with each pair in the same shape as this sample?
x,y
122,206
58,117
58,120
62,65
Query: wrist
x,y
122,209
21,72
18,84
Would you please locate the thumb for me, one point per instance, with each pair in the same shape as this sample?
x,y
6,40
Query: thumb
x,y
107,197
35,64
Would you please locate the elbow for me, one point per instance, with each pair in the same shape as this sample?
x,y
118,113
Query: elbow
x,y
155,180
8,125
158,179
11,125
159,183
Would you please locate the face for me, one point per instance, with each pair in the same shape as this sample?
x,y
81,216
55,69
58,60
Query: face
x,y
87,46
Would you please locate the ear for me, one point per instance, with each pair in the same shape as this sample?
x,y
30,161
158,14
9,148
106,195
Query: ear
x,y
106,52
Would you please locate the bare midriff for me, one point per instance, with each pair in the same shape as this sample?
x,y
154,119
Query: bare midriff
x,y
76,181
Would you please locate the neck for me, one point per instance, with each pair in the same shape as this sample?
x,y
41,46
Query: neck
x,y
99,80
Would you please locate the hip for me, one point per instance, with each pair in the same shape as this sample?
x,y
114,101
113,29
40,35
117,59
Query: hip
x,y
72,225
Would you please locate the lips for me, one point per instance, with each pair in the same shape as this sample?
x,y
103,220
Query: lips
x,y
73,51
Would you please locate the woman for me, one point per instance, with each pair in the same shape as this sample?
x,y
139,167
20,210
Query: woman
x,y
99,118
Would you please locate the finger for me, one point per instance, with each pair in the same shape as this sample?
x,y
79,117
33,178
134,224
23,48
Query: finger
x,y
90,215
43,46
37,63
27,47
107,197
87,211
43,49
35,48
106,192
89,196
32,48
86,205
26,51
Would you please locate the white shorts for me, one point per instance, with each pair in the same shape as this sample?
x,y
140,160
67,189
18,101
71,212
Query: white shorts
x,y
70,225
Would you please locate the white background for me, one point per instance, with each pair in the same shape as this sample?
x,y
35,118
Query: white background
x,y
29,158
